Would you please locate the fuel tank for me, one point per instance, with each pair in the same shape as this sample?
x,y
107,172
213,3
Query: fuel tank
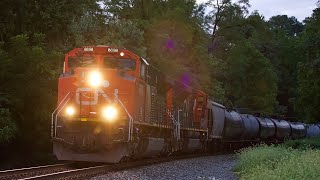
x,y
192,145
150,147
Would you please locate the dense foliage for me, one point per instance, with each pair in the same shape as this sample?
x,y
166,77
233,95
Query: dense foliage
x,y
7,127
241,60
304,144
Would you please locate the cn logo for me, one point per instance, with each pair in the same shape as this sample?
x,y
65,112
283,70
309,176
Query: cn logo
x,y
95,97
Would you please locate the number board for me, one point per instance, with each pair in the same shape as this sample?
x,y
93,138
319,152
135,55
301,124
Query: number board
x,y
113,50
88,49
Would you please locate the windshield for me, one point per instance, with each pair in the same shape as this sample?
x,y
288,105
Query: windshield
x,y
83,61
113,63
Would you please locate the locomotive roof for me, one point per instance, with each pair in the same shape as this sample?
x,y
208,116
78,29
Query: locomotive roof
x,y
104,49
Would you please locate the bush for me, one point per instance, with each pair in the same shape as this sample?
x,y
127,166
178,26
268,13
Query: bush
x,y
7,126
303,144
278,163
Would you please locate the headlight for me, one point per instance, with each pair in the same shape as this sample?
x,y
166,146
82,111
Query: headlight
x,y
70,111
95,79
110,113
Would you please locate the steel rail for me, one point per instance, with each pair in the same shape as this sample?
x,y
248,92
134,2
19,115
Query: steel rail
x,y
88,172
85,173
12,172
68,173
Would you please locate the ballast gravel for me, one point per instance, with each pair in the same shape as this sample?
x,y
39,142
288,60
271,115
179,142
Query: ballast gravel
x,y
208,168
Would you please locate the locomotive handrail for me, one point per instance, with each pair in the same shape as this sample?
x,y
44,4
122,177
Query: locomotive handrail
x,y
176,123
52,115
179,125
130,118
56,119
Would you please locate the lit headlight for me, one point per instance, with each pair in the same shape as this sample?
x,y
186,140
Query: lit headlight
x,y
95,79
70,111
110,113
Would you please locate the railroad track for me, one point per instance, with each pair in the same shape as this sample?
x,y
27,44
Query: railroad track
x,y
53,171
31,171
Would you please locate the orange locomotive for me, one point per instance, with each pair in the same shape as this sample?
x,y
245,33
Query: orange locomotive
x,y
114,105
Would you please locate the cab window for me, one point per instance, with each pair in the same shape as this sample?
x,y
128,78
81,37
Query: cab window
x,y
83,61
114,63
200,100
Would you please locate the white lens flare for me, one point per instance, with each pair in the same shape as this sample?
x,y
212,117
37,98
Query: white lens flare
x,y
70,111
95,79
110,113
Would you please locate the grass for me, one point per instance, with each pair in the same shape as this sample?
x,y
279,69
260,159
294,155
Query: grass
x,y
281,162
303,144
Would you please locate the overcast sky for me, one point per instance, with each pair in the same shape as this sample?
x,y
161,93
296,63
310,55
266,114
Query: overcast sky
x,y
298,8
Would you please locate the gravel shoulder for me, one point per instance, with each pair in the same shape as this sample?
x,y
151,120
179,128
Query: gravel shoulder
x,y
210,167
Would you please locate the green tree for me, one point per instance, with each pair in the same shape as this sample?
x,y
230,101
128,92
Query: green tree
x,y
281,46
250,79
224,10
238,49
308,98
284,26
125,33
8,128
51,18
87,30
29,81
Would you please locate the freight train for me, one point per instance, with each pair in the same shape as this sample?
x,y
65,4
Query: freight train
x,y
113,105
